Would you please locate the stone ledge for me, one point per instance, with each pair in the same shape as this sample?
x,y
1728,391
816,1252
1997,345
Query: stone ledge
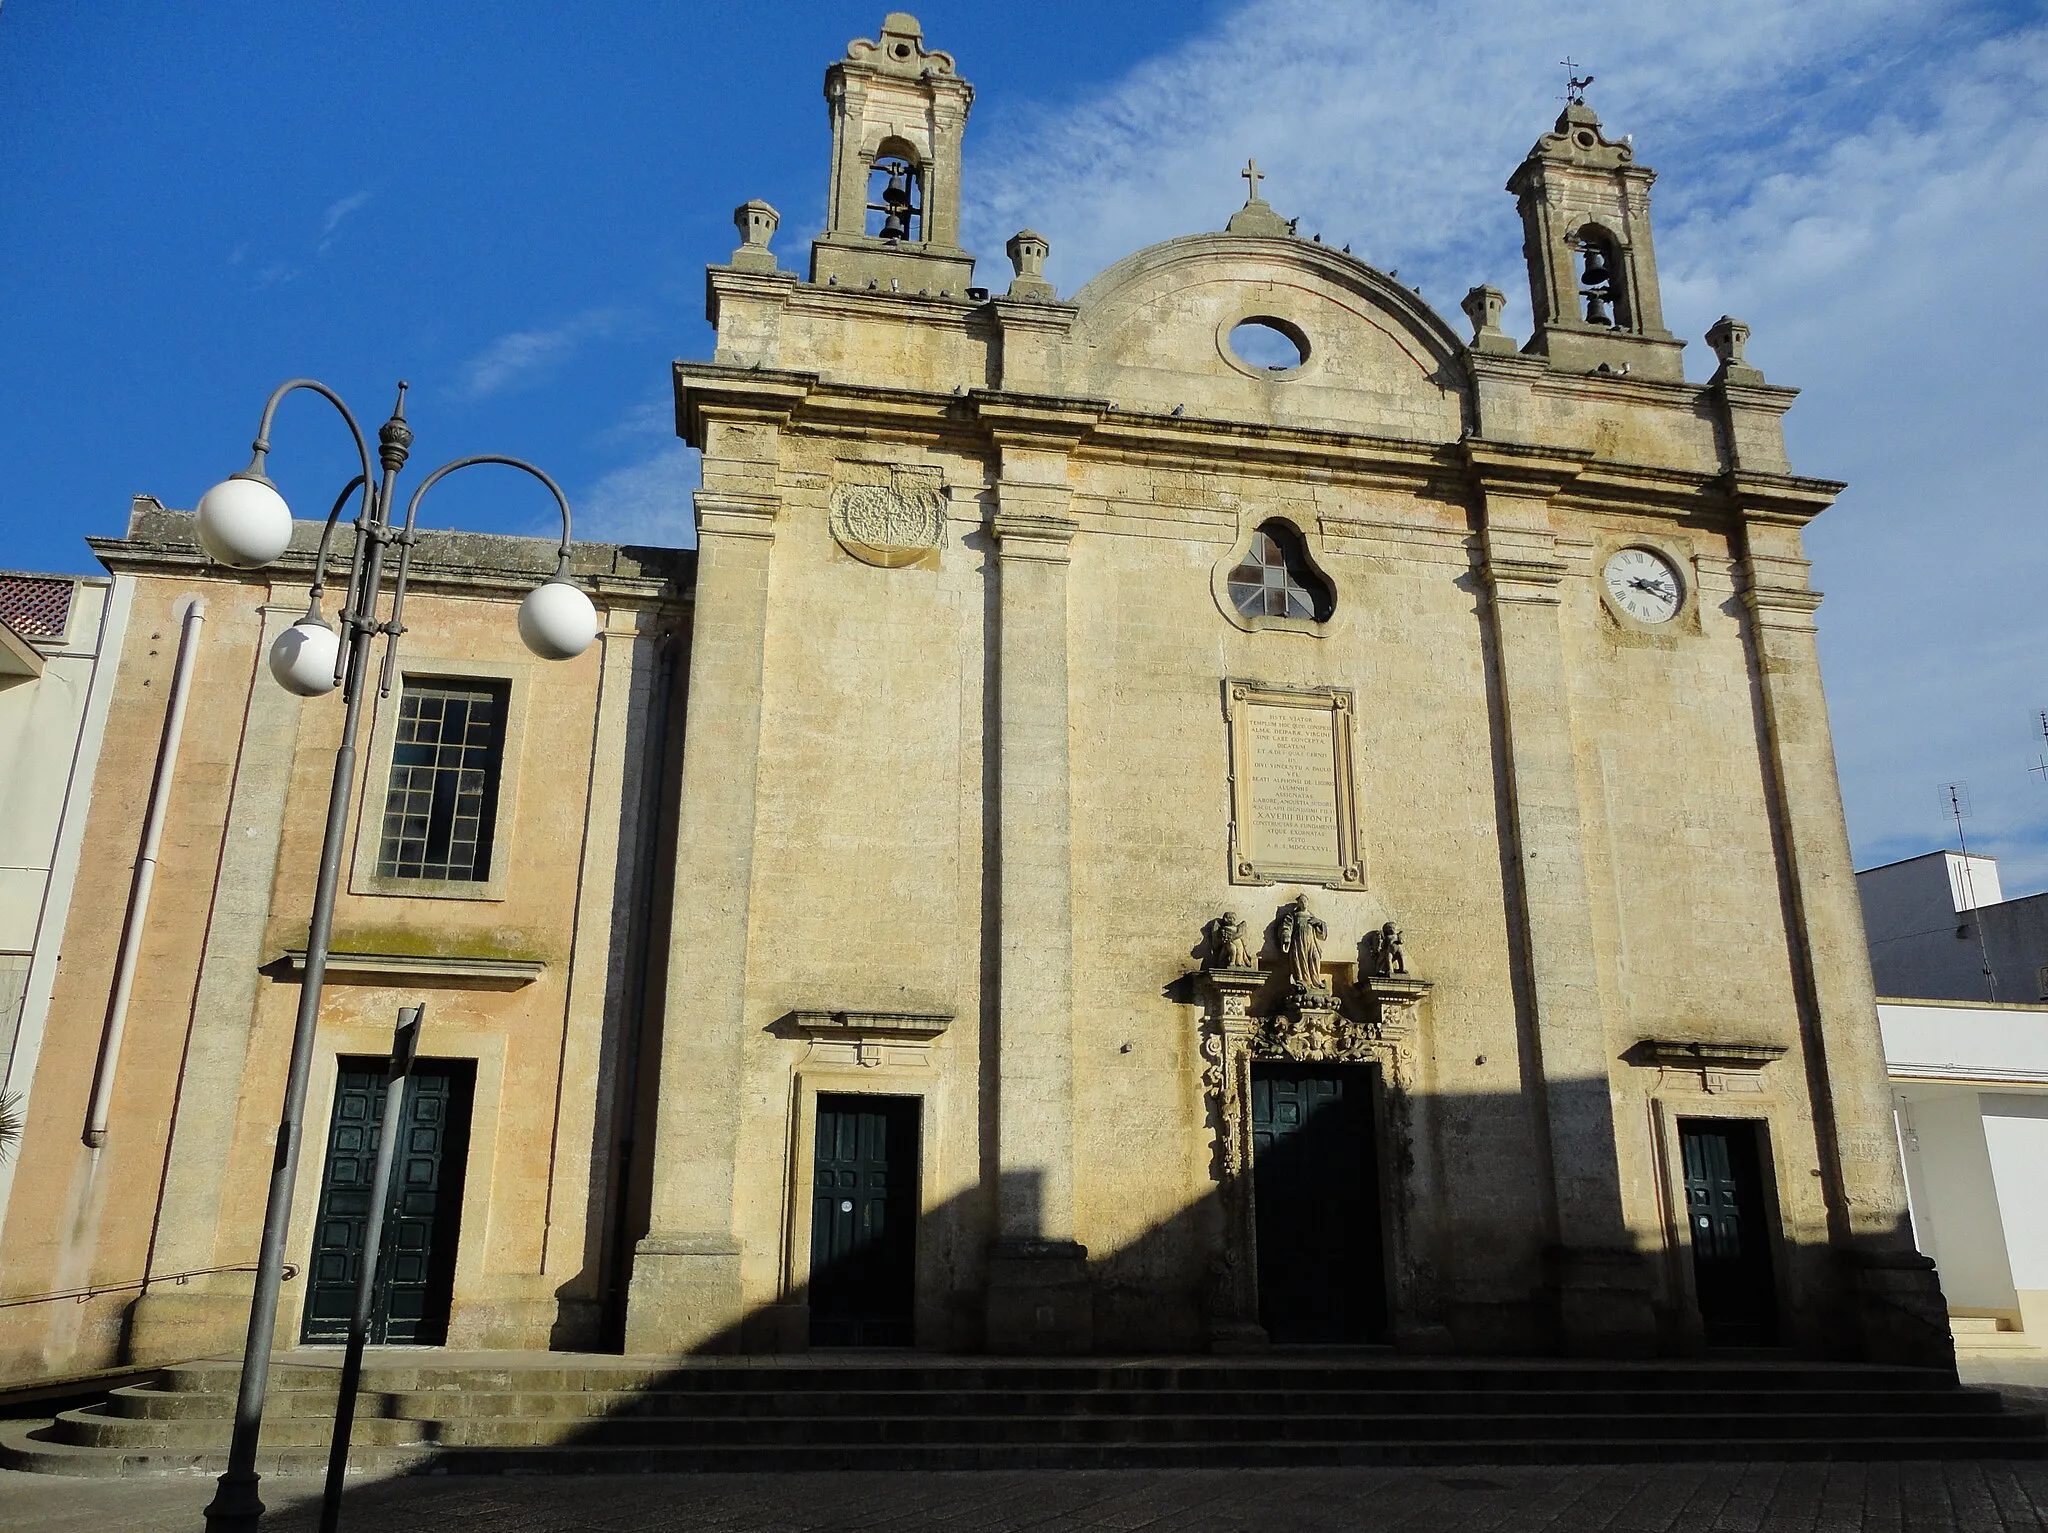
x,y
509,973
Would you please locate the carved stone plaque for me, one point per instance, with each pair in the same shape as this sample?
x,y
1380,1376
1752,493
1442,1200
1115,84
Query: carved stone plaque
x,y
1293,794
887,514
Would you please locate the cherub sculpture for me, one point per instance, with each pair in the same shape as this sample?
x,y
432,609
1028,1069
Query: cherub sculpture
x,y
1230,948
1383,956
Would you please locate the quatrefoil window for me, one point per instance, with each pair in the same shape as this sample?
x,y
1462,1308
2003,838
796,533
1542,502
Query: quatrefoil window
x,y
1274,579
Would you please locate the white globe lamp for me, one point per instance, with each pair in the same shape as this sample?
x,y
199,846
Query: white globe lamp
x,y
302,657
244,523
557,620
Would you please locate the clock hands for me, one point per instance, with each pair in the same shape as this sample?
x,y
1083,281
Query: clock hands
x,y
1654,587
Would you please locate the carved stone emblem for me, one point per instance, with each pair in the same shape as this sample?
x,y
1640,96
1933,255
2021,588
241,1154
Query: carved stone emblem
x,y
889,515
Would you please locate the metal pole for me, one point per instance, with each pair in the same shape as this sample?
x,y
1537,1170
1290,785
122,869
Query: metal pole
x,y
405,1045
236,1507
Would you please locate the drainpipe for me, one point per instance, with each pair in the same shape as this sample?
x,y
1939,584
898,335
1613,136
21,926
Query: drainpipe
x,y
145,875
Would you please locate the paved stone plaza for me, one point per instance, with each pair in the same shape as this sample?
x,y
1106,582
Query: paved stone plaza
x,y
1694,1498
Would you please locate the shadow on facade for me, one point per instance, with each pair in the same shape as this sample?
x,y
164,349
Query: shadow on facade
x,y
1455,1277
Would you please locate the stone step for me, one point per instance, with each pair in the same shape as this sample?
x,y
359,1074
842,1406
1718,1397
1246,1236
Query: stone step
x,y
88,1429
147,1403
979,1375
1960,1326
436,1412
21,1450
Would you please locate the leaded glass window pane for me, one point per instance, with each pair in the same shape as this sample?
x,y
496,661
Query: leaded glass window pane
x,y
443,798
1272,581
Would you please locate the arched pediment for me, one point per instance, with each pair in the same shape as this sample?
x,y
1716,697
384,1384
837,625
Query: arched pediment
x,y
1153,333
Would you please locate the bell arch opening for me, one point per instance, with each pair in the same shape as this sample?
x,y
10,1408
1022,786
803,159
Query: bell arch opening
x,y
896,193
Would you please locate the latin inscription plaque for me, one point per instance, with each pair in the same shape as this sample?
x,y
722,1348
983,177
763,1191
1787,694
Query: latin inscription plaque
x,y
1293,816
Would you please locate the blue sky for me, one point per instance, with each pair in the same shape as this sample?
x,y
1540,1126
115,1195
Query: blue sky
x,y
511,206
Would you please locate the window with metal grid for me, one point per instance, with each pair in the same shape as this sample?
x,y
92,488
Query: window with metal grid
x,y
1274,580
443,799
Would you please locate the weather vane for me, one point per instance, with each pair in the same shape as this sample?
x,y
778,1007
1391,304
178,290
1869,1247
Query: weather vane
x,y
1575,84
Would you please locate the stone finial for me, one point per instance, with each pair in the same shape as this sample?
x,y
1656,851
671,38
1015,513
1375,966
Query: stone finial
x,y
757,223
1484,306
1027,251
1728,337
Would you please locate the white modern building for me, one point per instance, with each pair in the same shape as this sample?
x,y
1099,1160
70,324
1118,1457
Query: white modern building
x,y
1969,1082
54,631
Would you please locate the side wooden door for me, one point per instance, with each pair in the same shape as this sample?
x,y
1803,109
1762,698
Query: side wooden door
x,y
1731,1233
423,1212
864,1206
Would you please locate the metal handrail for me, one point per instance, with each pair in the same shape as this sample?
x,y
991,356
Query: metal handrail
x,y
291,1271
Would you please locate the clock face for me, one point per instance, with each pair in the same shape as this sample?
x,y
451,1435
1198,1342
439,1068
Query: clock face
x,y
1644,585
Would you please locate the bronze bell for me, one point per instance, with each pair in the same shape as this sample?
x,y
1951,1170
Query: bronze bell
x,y
1596,267
1596,309
896,203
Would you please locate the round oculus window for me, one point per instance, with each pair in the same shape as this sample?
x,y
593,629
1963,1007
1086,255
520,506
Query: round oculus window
x,y
1268,345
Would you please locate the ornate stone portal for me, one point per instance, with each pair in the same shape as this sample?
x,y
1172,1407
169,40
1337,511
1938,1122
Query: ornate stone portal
x,y
1372,1022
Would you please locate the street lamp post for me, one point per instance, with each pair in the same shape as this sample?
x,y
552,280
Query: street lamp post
x,y
244,523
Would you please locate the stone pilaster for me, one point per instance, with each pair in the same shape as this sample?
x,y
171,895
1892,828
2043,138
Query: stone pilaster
x,y
1601,1283
686,1293
1039,1298
1895,1311
182,1319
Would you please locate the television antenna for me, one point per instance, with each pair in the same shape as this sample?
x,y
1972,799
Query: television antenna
x,y
1955,798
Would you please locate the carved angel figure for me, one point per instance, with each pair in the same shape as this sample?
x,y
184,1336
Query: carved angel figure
x,y
1383,956
1230,949
1301,939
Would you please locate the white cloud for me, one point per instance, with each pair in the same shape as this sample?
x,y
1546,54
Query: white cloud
x,y
337,213
524,355
646,502
1861,180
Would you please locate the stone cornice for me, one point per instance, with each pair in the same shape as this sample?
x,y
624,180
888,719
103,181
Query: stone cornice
x,y
1512,468
717,390
1697,1054
858,1025
1574,478
1786,499
162,543
735,514
826,298
1055,421
721,282
1047,315
1033,536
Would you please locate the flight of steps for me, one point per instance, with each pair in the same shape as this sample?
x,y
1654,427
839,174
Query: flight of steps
x,y
554,1413
1982,1333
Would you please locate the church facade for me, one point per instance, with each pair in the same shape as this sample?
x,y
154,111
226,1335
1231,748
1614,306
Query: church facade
x,y
1211,812
1183,846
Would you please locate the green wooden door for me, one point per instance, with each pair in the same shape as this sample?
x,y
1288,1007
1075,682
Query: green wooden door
x,y
864,1222
1731,1240
1316,1202
423,1209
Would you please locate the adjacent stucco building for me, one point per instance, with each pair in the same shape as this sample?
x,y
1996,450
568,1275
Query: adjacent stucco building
x,y
511,900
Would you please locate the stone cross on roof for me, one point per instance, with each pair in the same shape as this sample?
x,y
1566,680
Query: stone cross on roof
x,y
1253,176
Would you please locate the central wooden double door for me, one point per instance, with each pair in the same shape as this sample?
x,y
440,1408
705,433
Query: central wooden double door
x,y
1316,1203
